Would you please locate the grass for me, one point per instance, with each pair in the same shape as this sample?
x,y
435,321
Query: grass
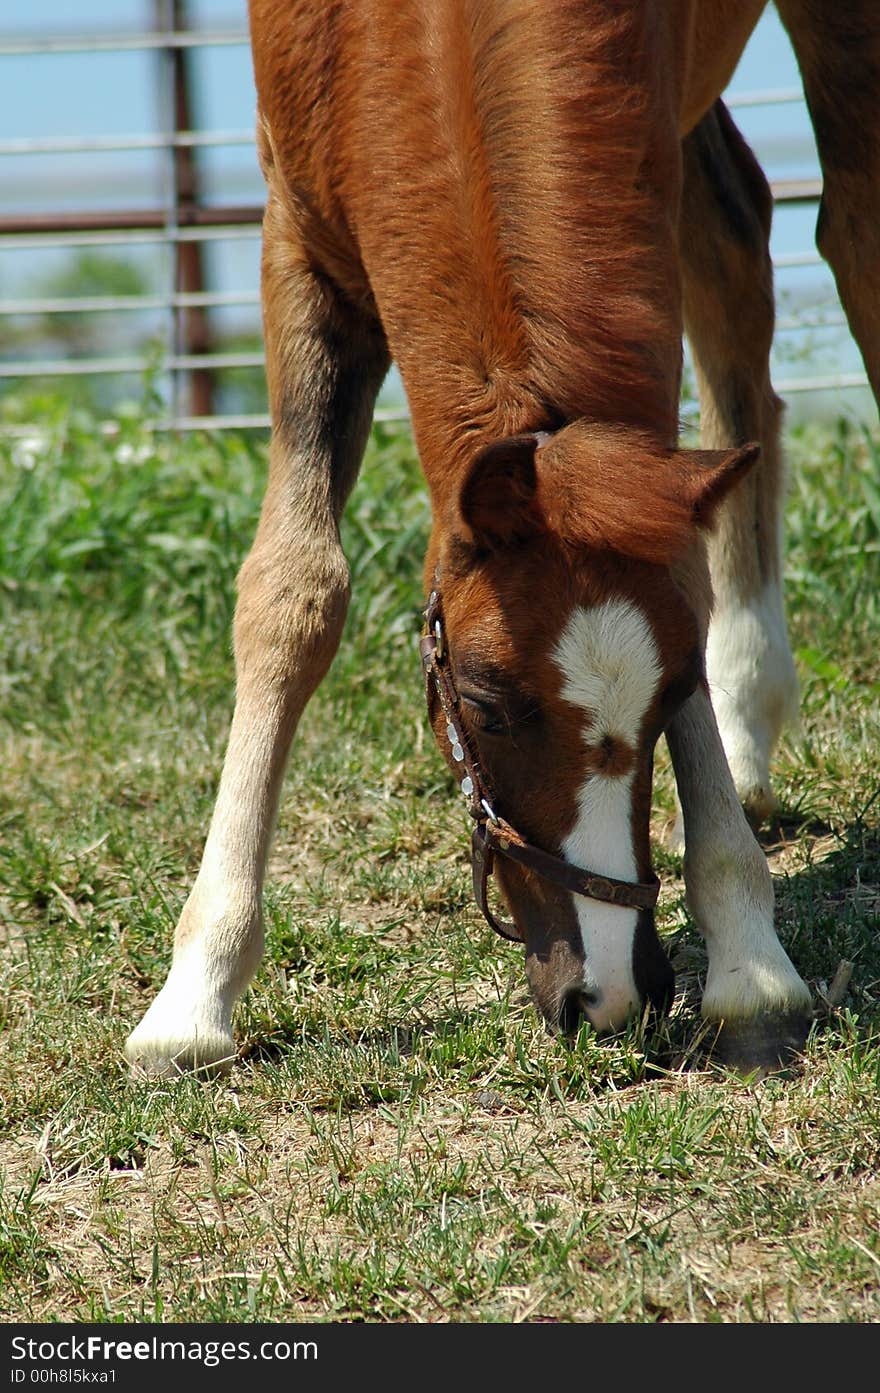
x,y
400,1140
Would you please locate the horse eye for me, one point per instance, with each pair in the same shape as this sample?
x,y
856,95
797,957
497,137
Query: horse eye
x,y
488,717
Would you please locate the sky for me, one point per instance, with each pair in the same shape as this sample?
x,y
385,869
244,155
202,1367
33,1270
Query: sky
x,y
107,94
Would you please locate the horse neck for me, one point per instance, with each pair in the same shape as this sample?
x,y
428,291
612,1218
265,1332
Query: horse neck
x,y
540,283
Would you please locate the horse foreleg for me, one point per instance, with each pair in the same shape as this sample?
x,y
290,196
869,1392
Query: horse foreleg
x,y
325,364
752,991
728,311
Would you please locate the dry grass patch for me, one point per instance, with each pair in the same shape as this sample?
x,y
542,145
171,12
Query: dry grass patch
x,y
400,1140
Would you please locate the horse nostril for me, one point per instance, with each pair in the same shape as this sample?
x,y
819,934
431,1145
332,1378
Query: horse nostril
x,y
573,1009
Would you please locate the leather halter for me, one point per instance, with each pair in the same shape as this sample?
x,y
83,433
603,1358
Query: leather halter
x,y
492,834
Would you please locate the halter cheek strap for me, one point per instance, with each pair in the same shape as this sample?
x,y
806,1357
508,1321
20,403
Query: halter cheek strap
x,y
492,834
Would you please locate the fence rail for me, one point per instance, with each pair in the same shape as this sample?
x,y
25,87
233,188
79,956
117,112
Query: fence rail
x,y
123,43
184,224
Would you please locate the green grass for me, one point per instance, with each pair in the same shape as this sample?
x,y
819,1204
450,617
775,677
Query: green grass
x,y
400,1139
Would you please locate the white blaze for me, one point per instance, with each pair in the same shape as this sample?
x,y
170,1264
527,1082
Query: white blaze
x,y
611,669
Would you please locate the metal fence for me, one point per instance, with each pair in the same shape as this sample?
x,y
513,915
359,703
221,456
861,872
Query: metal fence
x,y
183,225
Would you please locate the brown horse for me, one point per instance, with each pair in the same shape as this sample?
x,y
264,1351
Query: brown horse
x,y
524,202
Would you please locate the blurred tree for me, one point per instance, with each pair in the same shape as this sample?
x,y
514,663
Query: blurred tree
x,y
90,273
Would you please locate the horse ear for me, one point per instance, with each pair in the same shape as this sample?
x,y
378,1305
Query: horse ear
x,y
498,497
709,475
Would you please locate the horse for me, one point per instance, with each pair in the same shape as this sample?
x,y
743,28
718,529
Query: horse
x,y
524,204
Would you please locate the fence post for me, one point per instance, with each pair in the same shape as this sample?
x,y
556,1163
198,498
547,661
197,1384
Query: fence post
x,y
191,324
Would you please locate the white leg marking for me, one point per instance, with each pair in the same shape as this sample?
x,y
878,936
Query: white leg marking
x,y
754,689
729,889
219,938
609,661
189,1025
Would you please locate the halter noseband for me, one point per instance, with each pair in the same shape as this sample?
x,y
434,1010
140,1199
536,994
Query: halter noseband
x,y
492,834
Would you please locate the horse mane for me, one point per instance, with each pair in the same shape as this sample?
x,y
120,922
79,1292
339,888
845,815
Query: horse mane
x,y
537,172
578,221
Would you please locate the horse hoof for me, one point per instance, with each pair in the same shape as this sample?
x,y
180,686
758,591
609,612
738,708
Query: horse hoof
x,y
759,805
762,1045
205,1056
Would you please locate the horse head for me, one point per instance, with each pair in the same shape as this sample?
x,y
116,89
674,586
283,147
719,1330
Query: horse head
x,y
567,619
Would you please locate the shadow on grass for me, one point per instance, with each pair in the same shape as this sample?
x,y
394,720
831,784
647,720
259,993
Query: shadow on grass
x,y
827,887
788,827
463,1040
